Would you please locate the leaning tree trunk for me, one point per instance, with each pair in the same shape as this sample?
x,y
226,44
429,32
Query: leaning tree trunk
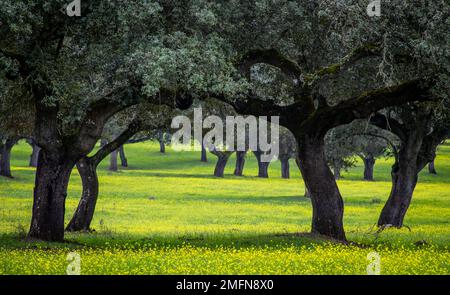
x,y
403,184
123,157
82,218
431,168
50,191
240,161
263,167
222,159
327,203
369,163
113,161
285,168
34,155
203,157
404,175
5,159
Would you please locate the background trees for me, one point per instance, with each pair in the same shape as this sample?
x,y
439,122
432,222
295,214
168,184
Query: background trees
x,y
420,128
315,64
79,72
376,56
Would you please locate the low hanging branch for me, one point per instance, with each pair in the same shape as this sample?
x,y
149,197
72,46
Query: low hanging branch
x,y
271,57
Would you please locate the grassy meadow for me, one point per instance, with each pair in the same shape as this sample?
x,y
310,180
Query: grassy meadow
x,y
167,214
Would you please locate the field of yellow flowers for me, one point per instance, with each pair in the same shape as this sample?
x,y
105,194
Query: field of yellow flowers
x,y
166,214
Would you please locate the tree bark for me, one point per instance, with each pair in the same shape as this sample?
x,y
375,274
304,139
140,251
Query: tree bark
x,y
87,167
327,203
240,161
369,163
222,159
123,157
263,167
404,174
34,155
84,213
285,168
113,161
431,168
50,191
403,184
203,157
5,159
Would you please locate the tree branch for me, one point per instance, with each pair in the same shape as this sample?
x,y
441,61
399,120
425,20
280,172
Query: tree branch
x,y
364,105
134,127
389,124
272,57
349,60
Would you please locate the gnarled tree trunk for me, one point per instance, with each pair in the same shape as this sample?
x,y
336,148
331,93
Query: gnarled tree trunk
x,y
403,184
50,191
5,159
123,157
327,203
285,168
84,213
404,175
369,163
240,161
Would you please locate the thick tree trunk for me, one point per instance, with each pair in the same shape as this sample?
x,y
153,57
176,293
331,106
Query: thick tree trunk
x,y
203,157
404,175
50,191
394,211
337,173
113,161
240,161
81,220
327,203
285,168
5,159
431,168
34,155
123,157
222,160
369,163
263,167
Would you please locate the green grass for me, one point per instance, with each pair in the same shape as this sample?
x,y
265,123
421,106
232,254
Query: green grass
x,y
166,214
